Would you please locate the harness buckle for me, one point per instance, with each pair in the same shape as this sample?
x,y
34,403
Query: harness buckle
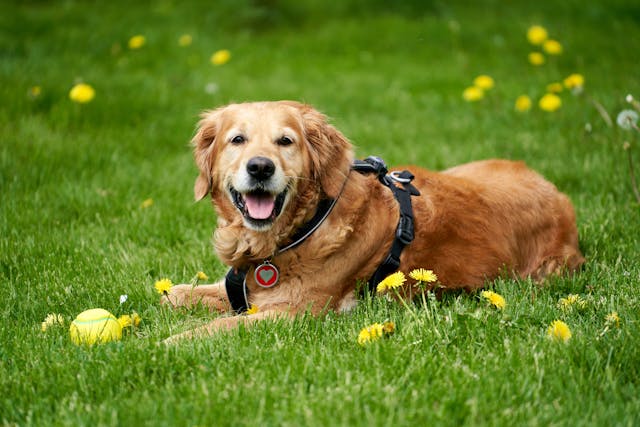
x,y
405,232
372,164
378,164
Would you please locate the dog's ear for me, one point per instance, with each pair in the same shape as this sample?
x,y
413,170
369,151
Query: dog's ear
x,y
203,144
330,151
202,187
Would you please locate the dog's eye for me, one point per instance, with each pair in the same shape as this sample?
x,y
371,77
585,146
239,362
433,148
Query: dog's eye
x,y
238,139
285,140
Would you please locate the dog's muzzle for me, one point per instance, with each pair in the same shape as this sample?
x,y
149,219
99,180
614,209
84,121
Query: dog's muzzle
x,y
260,205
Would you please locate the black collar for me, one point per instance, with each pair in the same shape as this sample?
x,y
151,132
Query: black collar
x,y
322,212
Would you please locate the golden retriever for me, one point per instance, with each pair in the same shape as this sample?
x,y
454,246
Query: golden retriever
x,y
268,166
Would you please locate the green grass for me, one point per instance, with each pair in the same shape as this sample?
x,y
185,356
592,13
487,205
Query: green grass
x,y
390,74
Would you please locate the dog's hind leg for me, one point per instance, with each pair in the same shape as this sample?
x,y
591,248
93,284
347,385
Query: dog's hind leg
x,y
557,265
560,250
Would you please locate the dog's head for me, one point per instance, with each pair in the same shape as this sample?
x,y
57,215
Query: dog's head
x,y
257,159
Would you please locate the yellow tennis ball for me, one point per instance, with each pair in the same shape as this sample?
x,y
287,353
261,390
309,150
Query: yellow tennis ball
x,y
95,326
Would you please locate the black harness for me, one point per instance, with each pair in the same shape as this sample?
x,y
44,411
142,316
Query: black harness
x,y
404,230
398,182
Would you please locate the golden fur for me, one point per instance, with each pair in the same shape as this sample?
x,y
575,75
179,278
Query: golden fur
x,y
473,222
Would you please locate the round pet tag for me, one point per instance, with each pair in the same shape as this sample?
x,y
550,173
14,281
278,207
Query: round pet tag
x,y
266,274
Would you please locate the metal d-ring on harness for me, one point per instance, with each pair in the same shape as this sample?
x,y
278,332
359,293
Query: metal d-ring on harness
x,y
235,280
405,229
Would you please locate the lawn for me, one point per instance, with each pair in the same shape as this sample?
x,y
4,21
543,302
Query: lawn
x,y
96,203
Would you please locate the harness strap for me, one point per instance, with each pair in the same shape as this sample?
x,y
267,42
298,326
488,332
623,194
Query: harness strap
x,y
234,283
404,230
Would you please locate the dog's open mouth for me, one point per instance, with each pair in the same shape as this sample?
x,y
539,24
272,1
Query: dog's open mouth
x,y
258,206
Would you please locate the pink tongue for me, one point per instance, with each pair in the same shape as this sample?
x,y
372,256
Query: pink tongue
x,y
260,206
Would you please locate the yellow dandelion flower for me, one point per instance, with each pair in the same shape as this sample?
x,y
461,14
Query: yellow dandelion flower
x,y
483,82
82,93
574,81
472,94
125,321
147,203
163,286
370,333
494,299
35,91
253,309
523,103
364,337
559,331
221,57
185,40
570,301
423,275
537,34
550,102
137,41
201,276
388,328
536,58
392,281
555,87
552,47
612,319
52,319
136,319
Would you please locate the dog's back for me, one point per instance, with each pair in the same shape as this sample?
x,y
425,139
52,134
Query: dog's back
x,y
481,218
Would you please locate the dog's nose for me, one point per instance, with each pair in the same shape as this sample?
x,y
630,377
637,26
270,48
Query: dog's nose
x,y
260,168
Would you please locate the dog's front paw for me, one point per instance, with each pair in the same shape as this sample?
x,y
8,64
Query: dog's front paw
x,y
179,296
174,339
213,296
208,330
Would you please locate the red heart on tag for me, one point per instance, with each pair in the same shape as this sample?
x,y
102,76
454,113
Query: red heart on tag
x,y
266,275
